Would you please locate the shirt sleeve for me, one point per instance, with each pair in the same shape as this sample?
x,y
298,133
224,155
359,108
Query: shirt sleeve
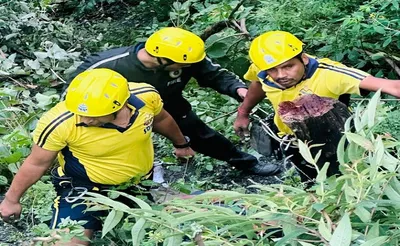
x,y
51,132
149,95
347,80
252,73
157,103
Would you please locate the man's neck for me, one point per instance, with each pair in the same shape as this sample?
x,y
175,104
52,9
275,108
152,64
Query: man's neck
x,y
123,117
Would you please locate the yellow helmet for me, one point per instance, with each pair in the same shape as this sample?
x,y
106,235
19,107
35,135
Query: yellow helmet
x,y
97,92
274,48
176,44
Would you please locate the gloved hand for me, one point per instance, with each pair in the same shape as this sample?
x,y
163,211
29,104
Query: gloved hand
x,y
241,125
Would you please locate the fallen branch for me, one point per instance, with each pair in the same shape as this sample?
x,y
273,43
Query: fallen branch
x,y
388,60
221,116
221,25
243,26
217,27
46,239
21,84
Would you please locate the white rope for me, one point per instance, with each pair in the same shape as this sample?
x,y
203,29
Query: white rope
x,y
285,141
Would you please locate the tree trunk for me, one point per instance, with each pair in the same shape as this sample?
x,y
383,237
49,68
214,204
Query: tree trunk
x,y
319,120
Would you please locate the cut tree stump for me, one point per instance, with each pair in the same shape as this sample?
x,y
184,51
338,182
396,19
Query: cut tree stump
x,y
317,120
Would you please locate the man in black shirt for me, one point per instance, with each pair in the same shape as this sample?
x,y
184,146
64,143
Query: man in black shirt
x,y
168,60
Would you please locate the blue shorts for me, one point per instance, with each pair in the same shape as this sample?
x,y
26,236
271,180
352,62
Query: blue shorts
x,y
66,206
63,209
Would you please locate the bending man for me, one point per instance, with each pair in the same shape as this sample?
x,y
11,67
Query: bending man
x,y
101,134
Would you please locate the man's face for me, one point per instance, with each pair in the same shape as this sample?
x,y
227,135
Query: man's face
x,y
97,121
289,73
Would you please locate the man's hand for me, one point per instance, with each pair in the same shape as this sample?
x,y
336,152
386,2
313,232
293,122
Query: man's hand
x,y
241,124
184,153
10,210
242,92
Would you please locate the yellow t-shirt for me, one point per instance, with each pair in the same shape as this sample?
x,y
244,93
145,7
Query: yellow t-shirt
x,y
324,77
108,154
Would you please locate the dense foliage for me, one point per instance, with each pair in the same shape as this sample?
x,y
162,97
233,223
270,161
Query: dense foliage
x,y
41,41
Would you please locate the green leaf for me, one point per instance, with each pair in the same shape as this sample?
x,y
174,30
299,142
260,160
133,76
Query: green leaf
x,y
306,244
142,204
173,240
138,232
14,157
372,105
379,29
360,140
305,152
107,201
41,55
377,56
324,230
392,194
342,235
373,232
9,36
113,218
395,183
375,241
3,180
387,41
13,167
318,206
378,156
240,65
340,151
321,177
390,162
347,124
292,235
350,193
35,65
363,214
217,50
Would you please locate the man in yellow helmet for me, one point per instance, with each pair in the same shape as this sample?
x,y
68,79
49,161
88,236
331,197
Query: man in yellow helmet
x,y
282,72
101,135
168,60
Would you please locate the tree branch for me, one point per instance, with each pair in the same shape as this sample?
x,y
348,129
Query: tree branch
x,y
388,60
221,25
236,9
215,28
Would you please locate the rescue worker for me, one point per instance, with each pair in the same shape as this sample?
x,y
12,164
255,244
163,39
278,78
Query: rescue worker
x,y
101,135
281,71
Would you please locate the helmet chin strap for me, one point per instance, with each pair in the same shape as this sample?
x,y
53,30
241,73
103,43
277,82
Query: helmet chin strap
x,y
162,66
305,67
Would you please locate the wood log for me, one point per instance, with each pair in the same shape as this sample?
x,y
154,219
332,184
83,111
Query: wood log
x,y
317,120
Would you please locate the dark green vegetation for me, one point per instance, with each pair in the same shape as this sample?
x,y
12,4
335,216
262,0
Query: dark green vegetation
x,y
41,41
